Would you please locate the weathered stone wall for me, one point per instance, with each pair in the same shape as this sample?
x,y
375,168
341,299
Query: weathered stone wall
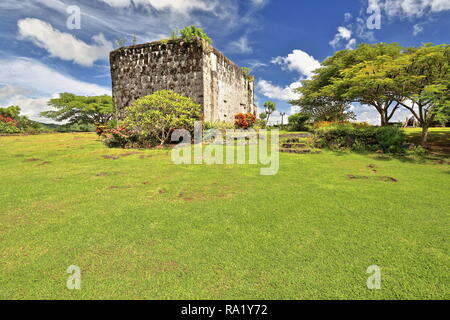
x,y
195,70
140,70
227,89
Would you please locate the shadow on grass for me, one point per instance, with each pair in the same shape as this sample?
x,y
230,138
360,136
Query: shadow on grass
x,y
407,158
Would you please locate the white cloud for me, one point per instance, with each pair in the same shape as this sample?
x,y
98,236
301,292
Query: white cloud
x,y
31,107
351,44
178,5
33,75
362,31
366,113
33,84
123,18
440,5
343,34
9,90
259,3
63,45
255,64
399,9
410,8
298,61
241,45
417,29
275,118
275,92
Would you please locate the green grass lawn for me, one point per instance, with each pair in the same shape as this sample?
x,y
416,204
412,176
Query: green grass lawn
x,y
140,227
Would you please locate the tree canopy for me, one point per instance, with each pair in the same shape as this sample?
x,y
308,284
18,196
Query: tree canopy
x,y
13,112
269,107
80,109
365,75
384,76
424,85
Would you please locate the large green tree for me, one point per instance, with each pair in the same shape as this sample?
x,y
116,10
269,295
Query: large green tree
x,y
424,85
97,110
365,75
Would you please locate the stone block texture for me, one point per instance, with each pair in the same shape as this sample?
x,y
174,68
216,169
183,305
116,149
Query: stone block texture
x,y
196,70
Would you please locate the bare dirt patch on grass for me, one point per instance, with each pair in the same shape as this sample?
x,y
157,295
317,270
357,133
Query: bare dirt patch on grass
x,y
109,157
442,162
353,177
102,174
166,266
388,179
203,196
381,178
129,154
123,155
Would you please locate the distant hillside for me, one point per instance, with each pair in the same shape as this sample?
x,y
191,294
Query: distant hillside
x,y
67,128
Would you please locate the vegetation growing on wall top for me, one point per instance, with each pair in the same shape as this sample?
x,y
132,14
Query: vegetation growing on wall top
x,y
189,33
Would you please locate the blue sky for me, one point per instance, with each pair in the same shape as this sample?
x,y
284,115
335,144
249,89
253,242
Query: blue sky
x,y
282,41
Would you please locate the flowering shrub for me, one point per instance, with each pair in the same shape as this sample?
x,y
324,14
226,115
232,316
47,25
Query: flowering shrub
x,y
8,120
117,138
244,120
122,137
100,129
8,125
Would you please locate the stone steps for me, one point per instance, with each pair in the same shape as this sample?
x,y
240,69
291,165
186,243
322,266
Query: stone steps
x,y
295,143
295,135
299,151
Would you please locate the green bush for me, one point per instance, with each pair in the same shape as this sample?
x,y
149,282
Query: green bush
x,y
189,33
8,128
360,138
390,139
155,117
298,122
12,122
219,125
419,151
260,124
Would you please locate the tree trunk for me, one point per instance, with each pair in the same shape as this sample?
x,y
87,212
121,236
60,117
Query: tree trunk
x,y
384,118
424,142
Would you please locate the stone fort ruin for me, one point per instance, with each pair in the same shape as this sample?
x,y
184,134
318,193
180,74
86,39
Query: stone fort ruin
x,y
195,70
